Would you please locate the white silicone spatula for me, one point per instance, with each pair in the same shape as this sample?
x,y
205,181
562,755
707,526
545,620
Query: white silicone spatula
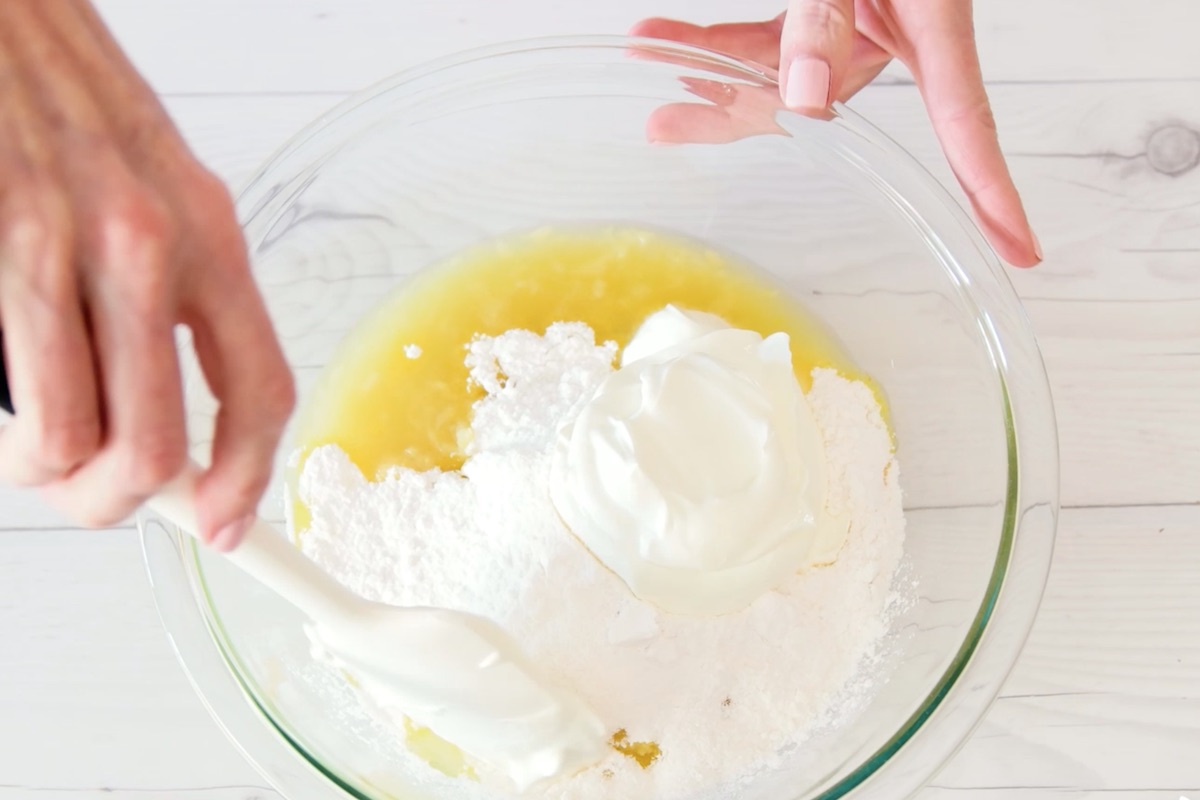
x,y
457,674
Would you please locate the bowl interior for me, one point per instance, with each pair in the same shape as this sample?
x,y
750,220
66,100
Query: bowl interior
x,y
421,167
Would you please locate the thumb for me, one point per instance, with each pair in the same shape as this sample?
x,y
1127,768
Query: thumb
x,y
815,50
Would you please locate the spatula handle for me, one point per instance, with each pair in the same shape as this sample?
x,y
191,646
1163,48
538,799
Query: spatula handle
x,y
265,555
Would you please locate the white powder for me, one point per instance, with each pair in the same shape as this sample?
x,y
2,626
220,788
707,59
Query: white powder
x,y
412,351
721,696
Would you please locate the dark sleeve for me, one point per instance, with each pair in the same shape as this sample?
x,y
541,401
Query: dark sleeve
x,y
5,397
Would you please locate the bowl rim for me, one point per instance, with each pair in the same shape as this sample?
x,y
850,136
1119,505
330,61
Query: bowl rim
x,y
1011,598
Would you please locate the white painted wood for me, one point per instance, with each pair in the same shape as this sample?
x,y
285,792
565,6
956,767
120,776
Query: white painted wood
x,y
1105,702
1113,226
92,695
1105,696
342,45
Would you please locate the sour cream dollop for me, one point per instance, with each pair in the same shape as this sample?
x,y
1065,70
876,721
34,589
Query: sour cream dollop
x,y
696,472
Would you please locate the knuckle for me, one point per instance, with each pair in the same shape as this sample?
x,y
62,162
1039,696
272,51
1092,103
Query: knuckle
x,y
214,217
90,506
62,446
154,461
21,468
987,118
29,234
88,518
250,487
967,115
22,479
825,15
102,517
210,190
134,230
146,128
278,395
34,229
135,239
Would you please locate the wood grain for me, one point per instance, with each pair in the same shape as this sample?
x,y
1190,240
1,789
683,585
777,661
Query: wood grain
x,y
1105,695
322,45
92,695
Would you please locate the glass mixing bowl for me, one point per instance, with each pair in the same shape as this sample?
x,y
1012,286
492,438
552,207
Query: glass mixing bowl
x,y
423,165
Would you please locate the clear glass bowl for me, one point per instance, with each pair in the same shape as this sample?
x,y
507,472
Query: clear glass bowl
x,y
470,148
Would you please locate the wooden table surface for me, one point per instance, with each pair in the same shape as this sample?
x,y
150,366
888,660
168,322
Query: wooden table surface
x,y
1098,103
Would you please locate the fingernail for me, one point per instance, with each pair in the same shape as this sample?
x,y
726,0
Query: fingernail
x,y
228,537
808,84
1037,246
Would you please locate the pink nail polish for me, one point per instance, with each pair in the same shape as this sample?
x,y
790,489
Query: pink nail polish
x,y
808,84
1037,246
227,538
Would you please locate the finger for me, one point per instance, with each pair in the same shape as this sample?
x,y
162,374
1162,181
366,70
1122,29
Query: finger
x,y
816,45
126,243
718,93
246,370
50,369
946,67
751,41
857,80
737,112
867,60
696,123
